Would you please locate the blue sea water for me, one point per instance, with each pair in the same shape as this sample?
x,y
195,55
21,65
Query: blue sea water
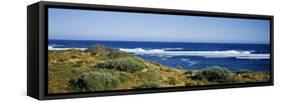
x,y
190,56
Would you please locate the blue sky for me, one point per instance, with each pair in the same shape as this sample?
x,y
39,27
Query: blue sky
x,y
70,24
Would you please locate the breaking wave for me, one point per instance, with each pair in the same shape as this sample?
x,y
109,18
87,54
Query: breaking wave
x,y
206,54
55,47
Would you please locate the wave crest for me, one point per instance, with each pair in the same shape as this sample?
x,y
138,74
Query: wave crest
x,y
206,54
50,47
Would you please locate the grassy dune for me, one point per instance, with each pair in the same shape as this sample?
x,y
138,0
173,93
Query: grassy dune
x,y
100,68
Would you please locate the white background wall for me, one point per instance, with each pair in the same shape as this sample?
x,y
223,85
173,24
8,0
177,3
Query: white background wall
x,y
13,51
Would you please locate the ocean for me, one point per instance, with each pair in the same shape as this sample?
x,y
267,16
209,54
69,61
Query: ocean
x,y
190,56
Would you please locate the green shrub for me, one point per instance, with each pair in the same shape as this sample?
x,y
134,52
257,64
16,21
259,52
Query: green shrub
x,y
148,84
93,81
125,77
122,64
118,54
241,71
216,74
148,75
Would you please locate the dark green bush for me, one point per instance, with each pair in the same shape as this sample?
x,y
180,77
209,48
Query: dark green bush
x,y
93,81
118,54
122,64
188,72
216,74
148,84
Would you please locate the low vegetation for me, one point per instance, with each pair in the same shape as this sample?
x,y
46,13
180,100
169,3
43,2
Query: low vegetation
x,y
215,74
101,68
93,81
148,84
122,64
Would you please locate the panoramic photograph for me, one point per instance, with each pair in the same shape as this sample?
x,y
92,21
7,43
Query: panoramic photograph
x,y
93,51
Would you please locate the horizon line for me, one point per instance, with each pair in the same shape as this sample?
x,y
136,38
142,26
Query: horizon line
x,y
161,41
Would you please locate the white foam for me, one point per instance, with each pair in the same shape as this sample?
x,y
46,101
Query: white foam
x,y
206,54
184,59
172,48
53,48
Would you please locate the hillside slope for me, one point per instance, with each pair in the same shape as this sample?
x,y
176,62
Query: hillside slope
x,y
101,68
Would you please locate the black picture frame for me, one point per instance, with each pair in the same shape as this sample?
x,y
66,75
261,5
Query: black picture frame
x,y
37,32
